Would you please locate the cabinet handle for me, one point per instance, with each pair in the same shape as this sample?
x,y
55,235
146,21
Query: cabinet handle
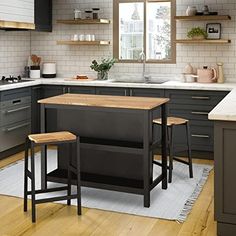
x,y
200,136
16,127
199,113
200,98
18,109
69,90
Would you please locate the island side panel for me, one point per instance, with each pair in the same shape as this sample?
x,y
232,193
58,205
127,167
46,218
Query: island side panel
x,y
110,125
225,176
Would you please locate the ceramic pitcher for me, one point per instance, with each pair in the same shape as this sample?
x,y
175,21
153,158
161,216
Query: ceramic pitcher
x,y
206,75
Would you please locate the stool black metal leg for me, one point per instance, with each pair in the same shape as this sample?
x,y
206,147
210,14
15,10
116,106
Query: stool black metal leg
x,y
78,177
26,173
69,174
33,184
171,135
189,150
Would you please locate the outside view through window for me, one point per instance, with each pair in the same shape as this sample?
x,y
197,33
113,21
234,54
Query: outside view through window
x,y
158,30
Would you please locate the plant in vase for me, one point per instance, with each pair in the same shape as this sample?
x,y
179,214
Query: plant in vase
x,y
197,33
103,67
35,67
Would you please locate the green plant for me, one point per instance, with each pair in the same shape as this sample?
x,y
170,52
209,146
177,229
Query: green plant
x,y
105,65
197,31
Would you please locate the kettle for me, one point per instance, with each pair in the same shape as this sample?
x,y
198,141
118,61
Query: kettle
x,y
206,75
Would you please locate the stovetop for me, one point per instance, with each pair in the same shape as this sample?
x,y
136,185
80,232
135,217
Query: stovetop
x,y
12,80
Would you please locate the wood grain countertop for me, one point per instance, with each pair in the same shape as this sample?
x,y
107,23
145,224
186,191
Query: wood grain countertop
x,y
140,103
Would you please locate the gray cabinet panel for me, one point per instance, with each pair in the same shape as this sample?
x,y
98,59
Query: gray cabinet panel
x,y
195,97
15,94
225,174
112,91
81,90
137,92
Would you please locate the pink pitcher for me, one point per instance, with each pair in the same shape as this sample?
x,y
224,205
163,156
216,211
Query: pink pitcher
x,y
206,75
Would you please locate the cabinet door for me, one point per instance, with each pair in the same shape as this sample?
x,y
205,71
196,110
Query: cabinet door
x,y
112,91
35,109
43,15
51,115
81,90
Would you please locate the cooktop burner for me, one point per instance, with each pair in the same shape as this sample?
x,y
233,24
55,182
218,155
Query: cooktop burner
x,y
11,79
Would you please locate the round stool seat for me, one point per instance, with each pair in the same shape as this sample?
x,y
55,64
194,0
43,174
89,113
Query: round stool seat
x,y
172,121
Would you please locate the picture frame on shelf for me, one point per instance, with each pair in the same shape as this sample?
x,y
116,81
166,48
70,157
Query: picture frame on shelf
x,y
213,30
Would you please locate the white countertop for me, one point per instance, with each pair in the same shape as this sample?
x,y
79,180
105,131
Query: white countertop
x,y
225,110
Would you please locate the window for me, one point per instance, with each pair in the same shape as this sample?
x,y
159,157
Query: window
x,y
144,26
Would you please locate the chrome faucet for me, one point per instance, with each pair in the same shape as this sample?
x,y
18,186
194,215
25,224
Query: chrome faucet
x,y
142,58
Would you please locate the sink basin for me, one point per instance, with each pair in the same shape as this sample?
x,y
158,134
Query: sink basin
x,y
139,82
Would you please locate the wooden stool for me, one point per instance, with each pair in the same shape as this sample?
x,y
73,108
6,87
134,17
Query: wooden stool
x,y
171,123
56,138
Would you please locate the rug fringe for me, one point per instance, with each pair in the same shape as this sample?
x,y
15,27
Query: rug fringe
x,y
192,199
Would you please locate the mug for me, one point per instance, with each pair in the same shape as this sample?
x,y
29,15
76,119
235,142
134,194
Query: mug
x,y
75,37
88,37
81,37
92,37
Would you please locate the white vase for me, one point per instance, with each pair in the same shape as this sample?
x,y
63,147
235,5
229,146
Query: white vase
x,y
191,11
188,69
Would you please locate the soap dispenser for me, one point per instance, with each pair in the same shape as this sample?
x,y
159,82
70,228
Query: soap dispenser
x,y
221,78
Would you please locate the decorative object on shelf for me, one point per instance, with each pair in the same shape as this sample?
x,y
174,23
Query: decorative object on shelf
x,y
95,13
103,67
75,37
213,30
221,78
205,10
35,67
77,14
88,14
191,11
206,75
197,33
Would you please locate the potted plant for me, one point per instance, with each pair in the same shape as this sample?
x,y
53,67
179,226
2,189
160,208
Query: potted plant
x,y
35,67
103,67
197,33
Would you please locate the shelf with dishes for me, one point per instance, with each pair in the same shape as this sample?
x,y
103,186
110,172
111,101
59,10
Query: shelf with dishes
x,y
96,42
203,18
203,41
84,21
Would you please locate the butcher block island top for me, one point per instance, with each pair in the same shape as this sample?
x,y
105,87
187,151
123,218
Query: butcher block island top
x,y
140,103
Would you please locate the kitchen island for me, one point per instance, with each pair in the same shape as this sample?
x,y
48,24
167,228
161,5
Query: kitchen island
x,y
117,142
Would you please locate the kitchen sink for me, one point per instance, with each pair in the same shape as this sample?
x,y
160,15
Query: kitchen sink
x,y
139,82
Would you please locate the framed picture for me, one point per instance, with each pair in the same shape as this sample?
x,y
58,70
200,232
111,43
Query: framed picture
x,y
213,30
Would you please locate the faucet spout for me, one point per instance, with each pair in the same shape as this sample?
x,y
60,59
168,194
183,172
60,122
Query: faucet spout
x,y
142,58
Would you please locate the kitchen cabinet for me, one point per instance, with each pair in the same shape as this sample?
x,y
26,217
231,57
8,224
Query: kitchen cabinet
x,y
15,117
194,105
43,15
112,91
81,90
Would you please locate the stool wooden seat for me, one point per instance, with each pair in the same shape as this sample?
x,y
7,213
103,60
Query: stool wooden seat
x,y
52,137
56,138
172,121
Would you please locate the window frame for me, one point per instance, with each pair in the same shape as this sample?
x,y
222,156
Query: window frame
x,y
116,33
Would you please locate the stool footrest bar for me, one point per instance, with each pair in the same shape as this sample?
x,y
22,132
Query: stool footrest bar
x,y
180,160
54,199
49,190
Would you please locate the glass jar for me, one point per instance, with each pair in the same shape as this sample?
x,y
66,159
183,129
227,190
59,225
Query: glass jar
x,y
77,14
95,13
88,14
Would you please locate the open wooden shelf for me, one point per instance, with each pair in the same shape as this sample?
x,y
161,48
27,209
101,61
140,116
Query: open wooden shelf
x,y
203,18
84,21
97,42
203,41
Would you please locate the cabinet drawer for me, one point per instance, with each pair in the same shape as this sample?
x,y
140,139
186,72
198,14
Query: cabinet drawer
x,y
14,134
191,112
15,114
112,91
193,97
147,92
22,101
15,94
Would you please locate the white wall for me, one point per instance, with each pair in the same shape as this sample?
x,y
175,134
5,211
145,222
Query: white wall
x,y
14,52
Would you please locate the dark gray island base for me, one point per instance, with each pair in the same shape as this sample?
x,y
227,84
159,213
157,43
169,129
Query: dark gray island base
x,y
225,177
116,141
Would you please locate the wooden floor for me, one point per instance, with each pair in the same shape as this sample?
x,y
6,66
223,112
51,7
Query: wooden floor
x,y
57,219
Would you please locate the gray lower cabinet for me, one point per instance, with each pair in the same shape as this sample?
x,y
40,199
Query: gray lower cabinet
x,y
15,117
81,90
194,105
225,177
